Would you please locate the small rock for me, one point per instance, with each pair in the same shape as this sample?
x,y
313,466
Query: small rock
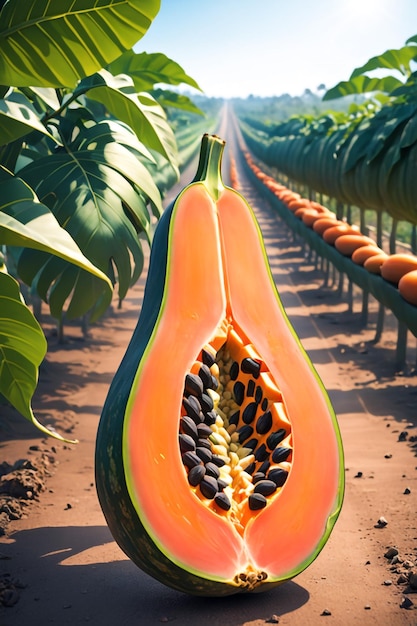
x,y
68,506
407,491
406,603
402,579
403,435
387,456
387,583
326,612
412,580
390,553
274,619
358,475
381,523
367,607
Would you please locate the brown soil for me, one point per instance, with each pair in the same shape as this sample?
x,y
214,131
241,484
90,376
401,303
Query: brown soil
x,y
58,562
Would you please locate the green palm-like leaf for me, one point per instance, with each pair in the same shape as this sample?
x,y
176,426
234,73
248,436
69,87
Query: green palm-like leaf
x,y
140,111
362,84
18,118
24,221
54,44
167,98
152,69
22,349
398,60
96,191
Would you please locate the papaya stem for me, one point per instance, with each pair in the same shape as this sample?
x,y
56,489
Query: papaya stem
x,y
209,165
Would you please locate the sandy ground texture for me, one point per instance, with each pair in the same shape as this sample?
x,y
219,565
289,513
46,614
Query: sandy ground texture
x,y
58,562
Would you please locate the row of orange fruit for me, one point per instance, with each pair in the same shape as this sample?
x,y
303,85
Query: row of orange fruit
x,y
399,269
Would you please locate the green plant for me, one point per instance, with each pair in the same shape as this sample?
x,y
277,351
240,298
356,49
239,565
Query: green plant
x,y
78,139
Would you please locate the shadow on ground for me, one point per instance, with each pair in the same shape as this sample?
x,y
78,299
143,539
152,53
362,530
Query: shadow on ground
x,y
117,592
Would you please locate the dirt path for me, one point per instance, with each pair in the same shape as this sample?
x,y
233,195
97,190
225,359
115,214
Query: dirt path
x,y
67,570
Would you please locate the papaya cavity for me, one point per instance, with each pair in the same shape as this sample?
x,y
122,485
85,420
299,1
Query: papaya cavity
x,y
235,436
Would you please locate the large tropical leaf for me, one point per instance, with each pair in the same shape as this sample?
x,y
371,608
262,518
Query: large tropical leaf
x,y
22,349
148,70
54,44
18,118
24,221
167,98
94,187
362,84
398,60
140,111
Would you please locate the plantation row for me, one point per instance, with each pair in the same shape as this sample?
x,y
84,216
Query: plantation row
x,y
390,278
363,157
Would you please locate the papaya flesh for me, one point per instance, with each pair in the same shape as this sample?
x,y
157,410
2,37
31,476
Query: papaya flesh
x,y
219,462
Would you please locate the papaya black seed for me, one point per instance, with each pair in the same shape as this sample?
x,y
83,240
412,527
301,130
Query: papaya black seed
x,y
244,432
196,475
250,468
205,375
264,404
239,392
234,370
206,403
278,475
209,487
190,459
261,454
250,366
258,395
204,430
188,427
194,385
234,418
265,487
204,454
252,443
218,460
249,412
264,467
257,501
214,382
222,501
212,470
280,454
257,477
250,389
264,423
187,443
193,408
275,438
210,418
207,358
221,483
202,442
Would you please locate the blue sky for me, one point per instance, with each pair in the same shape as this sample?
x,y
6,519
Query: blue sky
x,y
270,47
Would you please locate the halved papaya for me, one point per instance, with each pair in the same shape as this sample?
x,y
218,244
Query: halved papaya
x,y
219,462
